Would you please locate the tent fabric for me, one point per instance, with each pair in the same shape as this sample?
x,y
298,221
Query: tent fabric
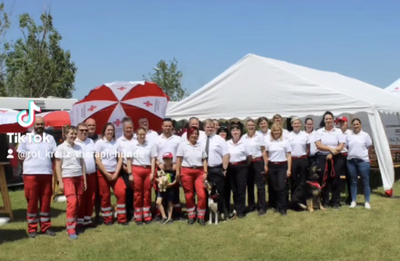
x,y
394,87
261,87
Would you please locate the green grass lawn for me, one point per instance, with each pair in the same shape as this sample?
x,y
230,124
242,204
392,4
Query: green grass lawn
x,y
346,234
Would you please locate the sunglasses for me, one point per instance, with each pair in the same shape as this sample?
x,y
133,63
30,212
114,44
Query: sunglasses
x,y
84,130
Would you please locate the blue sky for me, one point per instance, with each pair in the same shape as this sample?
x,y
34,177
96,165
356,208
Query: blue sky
x,y
122,40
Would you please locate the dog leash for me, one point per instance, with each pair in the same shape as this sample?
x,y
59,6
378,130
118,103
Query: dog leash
x,y
332,174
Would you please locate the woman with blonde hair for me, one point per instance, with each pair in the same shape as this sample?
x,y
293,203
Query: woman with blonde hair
x,y
278,165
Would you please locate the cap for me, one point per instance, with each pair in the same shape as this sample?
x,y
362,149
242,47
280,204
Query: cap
x,y
343,119
168,155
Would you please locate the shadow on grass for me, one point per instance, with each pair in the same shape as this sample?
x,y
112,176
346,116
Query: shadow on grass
x,y
10,235
20,214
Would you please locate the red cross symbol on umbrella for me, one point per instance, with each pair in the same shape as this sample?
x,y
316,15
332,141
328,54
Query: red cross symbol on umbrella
x,y
92,108
148,104
397,88
3,111
121,88
117,122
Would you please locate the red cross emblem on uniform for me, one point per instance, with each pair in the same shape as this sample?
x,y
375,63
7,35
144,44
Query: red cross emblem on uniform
x,y
121,88
148,104
92,108
117,122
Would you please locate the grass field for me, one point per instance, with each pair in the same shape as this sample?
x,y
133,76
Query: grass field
x,y
346,234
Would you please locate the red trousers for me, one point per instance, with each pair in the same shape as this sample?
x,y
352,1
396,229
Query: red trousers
x,y
119,190
73,190
192,180
88,197
142,193
38,189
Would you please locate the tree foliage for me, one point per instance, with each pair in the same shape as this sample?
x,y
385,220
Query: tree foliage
x,y
169,78
4,25
36,64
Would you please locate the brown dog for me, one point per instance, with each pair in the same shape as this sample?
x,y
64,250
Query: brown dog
x,y
313,189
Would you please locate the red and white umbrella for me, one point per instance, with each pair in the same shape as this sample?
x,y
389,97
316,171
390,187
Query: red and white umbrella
x,y
113,101
8,121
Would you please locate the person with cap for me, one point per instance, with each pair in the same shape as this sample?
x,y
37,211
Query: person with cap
x,y
330,142
193,122
255,143
38,177
169,194
300,144
141,167
344,126
168,142
191,169
278,166
239,160
218,159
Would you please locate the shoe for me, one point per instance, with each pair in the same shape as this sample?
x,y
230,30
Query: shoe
x,y
336,207
157,218
139,223
90,225
79,230
32,235
148,222
108,224
124,223
240,216
164,220
202,222
170,222
252,209
367,205
353,204
73,236
191,221
261,212
50,233
283,213
325,206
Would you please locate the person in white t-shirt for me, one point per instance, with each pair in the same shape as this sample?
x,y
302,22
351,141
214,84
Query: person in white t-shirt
x,y
191,169
141,169
151,136
255,143
278,166
216,123
71,173
358,162
277,119
88,196
263,124
329,141
109,164
37,169
299,141
344,126
194,122
240,159
309,129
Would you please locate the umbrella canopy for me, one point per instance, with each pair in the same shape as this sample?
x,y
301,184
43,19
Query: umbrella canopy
x,y
55,119
111,102
8,121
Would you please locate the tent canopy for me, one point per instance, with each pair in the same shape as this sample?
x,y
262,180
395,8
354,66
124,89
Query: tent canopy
x,y
394,87
261,87
257,86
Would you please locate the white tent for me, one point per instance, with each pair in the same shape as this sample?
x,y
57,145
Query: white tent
x,y
257,86
394,87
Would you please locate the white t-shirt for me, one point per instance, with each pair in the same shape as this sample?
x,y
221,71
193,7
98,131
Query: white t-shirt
x,y
151,136
346,133
358,145
143,153
299,142
192,155
202,135
38,156
285,134
108,153
254,144
331,138
71,157
277,150
165,145
124,146
238,152
87,147
313,147
216,151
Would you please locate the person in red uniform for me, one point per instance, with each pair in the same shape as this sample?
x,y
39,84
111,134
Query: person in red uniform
x,y
192,170
141,165
71,173
38,178
109,165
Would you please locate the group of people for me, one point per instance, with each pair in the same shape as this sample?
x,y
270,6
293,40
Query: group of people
x,y
88,166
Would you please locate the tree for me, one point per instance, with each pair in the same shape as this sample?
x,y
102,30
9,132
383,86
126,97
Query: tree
x,y
4,25
36,64
169,78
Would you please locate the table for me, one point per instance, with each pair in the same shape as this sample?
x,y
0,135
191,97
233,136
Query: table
x,y
4,192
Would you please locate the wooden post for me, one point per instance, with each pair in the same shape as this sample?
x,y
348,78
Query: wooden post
x,y
4,192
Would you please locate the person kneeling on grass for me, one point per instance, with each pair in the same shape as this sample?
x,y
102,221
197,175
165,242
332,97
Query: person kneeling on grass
x,y
169,194
71,173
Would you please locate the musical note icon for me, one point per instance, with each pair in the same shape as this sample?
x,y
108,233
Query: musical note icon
x,y
30,113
